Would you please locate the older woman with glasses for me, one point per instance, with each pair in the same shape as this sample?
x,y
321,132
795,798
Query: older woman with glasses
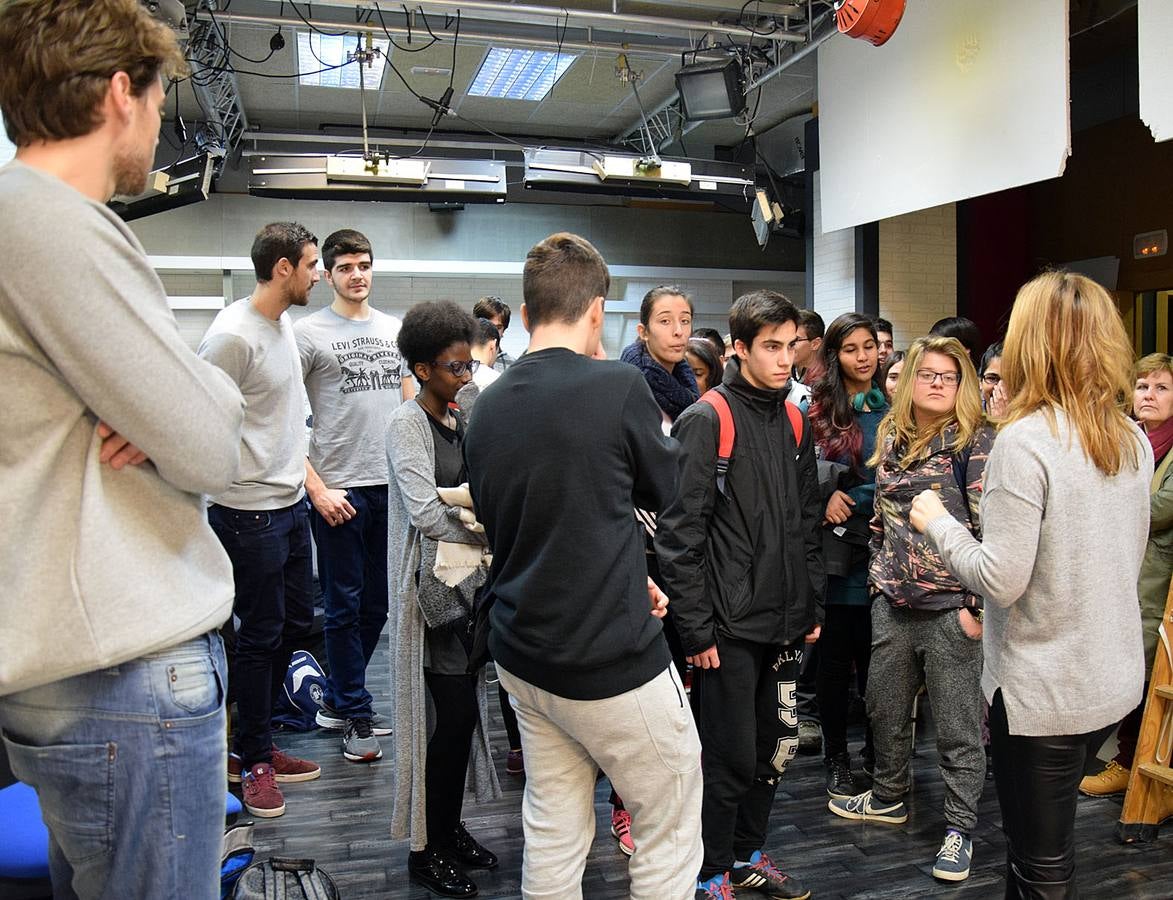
x,y
1152,407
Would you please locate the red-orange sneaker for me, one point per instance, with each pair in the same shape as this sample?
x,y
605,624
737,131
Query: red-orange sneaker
x,y
262,797
286,768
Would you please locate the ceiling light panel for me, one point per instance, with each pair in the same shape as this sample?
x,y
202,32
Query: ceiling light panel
x,y
519,74
317,52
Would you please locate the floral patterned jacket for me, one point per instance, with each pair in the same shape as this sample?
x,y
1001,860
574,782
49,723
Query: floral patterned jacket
x,y
904,566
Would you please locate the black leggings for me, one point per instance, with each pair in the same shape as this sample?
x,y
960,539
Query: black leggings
x,y
1037,780
455,699
512,732
846,638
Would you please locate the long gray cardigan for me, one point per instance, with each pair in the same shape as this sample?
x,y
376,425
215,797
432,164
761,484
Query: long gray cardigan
x,y
416,519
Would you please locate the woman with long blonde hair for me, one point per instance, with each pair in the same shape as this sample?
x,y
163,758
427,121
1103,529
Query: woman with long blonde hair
x,y
926,626
1064,659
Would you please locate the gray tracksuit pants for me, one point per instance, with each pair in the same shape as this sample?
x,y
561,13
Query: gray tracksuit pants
x,y
910,646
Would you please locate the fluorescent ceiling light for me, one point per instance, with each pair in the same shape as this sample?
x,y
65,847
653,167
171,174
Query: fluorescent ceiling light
x,y
519,74
320,51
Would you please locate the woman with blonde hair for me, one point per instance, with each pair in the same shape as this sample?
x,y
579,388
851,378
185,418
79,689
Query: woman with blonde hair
x,y
926,626
1064,659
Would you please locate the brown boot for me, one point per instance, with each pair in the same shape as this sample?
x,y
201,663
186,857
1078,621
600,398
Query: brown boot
x,y
1113,780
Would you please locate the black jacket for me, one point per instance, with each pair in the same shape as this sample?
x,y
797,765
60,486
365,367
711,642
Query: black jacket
x,y
749,564
560,450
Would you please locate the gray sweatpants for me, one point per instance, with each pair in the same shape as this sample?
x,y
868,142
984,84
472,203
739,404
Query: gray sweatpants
x,y
909,646
646,742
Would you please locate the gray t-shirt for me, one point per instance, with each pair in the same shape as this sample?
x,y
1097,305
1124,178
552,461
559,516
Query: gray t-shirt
x,y
353,374
260,355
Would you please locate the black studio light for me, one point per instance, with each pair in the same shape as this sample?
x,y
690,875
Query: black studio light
x,y
711,89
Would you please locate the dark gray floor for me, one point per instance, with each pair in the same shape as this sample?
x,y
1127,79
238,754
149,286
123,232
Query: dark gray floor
x,y
342,820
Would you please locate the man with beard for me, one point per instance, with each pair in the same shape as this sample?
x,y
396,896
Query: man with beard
x,y
261,519
355,377
111,668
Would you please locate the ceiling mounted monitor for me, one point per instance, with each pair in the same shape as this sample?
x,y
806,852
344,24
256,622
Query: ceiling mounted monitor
x,y
415,180
711,89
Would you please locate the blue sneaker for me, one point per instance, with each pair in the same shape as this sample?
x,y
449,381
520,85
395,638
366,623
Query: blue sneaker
x,y
864,806
716,888
763,876
954,857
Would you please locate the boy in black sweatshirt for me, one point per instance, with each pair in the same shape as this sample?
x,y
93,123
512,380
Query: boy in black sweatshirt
x,y
562,448
741,556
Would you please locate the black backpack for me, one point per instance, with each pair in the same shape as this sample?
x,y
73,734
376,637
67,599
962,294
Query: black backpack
x,y
283,878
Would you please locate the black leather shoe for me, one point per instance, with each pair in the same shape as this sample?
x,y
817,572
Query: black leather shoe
x,y
466,851
439,875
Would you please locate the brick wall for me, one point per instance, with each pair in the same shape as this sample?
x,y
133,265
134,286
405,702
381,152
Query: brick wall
x,y
834,267
918,271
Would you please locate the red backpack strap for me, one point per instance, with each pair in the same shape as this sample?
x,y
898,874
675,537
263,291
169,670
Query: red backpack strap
x,y
725,435
795,415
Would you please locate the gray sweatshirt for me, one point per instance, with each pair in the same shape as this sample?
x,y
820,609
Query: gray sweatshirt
x,y
100,566
1057,565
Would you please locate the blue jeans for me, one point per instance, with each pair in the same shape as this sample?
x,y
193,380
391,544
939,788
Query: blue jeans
x,y
352,565
272,571
128,763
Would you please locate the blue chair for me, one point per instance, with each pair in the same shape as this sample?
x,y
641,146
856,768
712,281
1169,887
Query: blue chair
x,y
24,851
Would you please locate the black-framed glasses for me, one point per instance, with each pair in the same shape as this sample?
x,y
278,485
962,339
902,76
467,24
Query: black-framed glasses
x,y
458,367
992,378
928,376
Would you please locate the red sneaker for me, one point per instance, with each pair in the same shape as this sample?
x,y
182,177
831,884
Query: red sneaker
x,y
262,797
286,768
621,830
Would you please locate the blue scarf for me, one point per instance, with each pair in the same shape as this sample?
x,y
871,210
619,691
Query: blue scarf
x,y
674,391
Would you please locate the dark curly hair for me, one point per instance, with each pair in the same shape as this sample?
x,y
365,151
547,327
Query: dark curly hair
x,y
432,327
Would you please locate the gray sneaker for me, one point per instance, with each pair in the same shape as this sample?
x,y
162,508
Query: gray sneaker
x,y
864,806
359,743
331,720
954,857
810,738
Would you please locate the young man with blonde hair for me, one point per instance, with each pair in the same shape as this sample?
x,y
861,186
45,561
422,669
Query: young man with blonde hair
x,y
111,669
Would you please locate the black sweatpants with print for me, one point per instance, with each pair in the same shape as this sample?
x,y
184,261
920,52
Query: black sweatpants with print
x,y
748,723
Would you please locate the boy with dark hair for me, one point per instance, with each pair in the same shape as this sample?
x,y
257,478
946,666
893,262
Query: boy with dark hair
x,y
495,310
111,668
558,455
713,336
355,378
745,573
884,342
261,518
810,338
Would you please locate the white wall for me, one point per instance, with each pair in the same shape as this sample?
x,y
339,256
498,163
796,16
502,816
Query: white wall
x,y
918,271
834,265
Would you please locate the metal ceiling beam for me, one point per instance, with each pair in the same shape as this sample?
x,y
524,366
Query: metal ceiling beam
x,y
467,36
669,109
517,12
215,87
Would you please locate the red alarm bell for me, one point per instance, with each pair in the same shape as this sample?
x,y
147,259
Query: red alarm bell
x,y
871,20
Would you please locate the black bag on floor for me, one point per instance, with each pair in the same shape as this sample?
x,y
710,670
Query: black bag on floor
x,y
284,878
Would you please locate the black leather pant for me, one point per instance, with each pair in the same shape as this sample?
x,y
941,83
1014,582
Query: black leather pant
x,y
1038,781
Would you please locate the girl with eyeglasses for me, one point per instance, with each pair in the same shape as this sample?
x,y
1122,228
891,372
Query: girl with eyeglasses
x,y
430,646
1064,657
846,408
925,624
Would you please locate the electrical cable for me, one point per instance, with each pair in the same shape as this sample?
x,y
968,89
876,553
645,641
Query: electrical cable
x,y
224,39
311,25
395,43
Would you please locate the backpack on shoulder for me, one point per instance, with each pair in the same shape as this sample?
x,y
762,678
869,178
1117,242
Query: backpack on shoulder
x,y
285,878
728,431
